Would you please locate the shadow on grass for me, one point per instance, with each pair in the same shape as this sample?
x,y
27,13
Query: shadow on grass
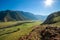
x,y
10,32
15,25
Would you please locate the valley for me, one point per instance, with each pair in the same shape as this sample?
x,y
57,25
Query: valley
x,y
18,25
29,19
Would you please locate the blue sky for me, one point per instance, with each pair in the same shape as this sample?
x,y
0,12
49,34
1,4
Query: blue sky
x,y
37,7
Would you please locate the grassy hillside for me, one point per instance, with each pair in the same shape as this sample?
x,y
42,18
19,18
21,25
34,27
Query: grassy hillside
x,y
14,33
53,18
9,15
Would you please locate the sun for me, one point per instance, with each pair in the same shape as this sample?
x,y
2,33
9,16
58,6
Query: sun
x,y
48,2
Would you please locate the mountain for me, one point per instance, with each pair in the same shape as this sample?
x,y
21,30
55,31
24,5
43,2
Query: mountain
x,y
53,18
9,15
41,17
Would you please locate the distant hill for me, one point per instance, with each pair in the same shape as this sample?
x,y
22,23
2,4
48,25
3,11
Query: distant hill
x,y
41,17
53,18
9,15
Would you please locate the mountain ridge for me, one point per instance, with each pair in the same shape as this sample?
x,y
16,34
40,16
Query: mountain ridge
x,y
53,18
9,15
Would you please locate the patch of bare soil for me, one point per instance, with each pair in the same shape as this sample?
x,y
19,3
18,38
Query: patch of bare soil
x,y
43,33
50,33
33,35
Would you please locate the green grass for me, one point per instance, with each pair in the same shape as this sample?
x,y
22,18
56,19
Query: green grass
x,y
4,24
25,29
57,19
56,24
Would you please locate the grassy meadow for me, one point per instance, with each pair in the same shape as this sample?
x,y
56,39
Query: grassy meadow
x,y
15,32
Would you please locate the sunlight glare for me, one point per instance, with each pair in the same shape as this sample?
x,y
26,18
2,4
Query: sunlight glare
x,y
48,2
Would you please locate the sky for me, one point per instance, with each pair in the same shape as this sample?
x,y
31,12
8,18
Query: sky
x,y
37,7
